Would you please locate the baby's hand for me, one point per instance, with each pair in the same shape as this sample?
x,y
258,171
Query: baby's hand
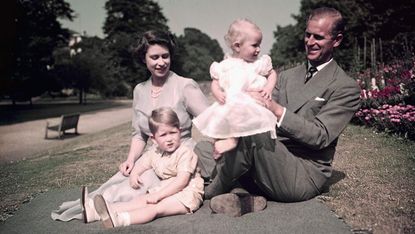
x,y
220,97
135,181
217,92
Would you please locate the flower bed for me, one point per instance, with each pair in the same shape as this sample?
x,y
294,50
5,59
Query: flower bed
x,y
398,119
388,98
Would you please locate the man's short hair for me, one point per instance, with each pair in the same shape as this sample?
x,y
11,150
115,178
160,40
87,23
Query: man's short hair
x,y
339,22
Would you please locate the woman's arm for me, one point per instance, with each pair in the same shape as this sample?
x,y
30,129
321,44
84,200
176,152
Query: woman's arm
x,y
136,148
139,139
176,185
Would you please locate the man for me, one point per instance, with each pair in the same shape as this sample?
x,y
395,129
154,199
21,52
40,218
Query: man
x,y
313,102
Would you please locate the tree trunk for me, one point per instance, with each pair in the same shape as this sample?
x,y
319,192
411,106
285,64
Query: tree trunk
x,y
81,92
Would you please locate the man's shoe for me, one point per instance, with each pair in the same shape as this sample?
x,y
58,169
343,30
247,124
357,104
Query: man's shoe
x,y
216,187
237,205
239,191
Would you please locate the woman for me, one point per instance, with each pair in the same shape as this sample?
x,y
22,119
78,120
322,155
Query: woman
x,y
164,88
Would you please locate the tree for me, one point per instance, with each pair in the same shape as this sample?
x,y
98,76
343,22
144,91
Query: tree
x,y
287,47
381,20
126,20
37,34
196,52
84,66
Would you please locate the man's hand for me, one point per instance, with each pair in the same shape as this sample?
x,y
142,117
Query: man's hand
x,y
260,96
270,104
266,94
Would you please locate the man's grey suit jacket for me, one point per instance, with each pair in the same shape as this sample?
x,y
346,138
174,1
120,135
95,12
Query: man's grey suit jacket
x,y
316,113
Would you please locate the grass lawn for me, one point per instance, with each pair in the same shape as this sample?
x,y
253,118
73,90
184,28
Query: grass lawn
x,y
373,186
377,192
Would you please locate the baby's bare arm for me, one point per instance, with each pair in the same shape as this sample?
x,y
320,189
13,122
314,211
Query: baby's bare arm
x,y
217,92
271,81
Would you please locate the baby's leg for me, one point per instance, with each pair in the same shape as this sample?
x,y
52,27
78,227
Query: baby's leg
x,y
224,145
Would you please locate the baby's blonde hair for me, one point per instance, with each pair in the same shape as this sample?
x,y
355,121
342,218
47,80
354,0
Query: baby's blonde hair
x,y
236,31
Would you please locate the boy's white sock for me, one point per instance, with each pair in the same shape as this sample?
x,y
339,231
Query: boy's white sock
x,y
123,219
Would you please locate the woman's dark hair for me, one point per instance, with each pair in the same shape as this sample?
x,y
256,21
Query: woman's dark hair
x,y
154,37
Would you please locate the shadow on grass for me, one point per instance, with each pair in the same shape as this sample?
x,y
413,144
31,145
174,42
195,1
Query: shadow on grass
x,y
336,176
10,114
55,136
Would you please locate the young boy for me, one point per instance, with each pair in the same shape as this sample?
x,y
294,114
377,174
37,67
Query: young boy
x,y
181,187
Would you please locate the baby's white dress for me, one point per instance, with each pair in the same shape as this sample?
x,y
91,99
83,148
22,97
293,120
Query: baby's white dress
x,y
240,115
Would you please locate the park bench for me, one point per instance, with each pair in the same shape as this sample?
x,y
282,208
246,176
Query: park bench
x,y
66,122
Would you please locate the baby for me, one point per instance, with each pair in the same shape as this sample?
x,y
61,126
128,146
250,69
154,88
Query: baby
x,y
236,114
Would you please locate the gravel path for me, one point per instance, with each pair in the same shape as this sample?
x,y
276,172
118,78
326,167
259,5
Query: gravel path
x,y
25,140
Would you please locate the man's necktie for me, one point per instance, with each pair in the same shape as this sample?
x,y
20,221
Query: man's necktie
x,y
310,72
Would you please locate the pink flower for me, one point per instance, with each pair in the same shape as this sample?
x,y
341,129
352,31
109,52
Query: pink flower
x,y
395,120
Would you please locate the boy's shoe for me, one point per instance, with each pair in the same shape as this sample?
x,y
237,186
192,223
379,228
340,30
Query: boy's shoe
x,y
236,205
89,213
102,209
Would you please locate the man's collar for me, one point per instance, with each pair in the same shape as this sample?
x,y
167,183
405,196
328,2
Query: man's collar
x,y
321,66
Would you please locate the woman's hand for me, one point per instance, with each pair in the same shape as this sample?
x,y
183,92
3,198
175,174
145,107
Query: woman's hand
x,y
136,148
126,167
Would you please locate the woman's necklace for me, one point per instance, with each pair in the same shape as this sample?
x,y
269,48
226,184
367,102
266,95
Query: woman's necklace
x,y
156,91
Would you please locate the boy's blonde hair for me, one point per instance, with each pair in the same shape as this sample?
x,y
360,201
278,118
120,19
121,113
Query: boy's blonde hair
x,y
163,115
236,31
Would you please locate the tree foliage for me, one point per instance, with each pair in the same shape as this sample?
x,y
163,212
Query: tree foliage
x,y
84,66
387,22
38,32
196,52
126,21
